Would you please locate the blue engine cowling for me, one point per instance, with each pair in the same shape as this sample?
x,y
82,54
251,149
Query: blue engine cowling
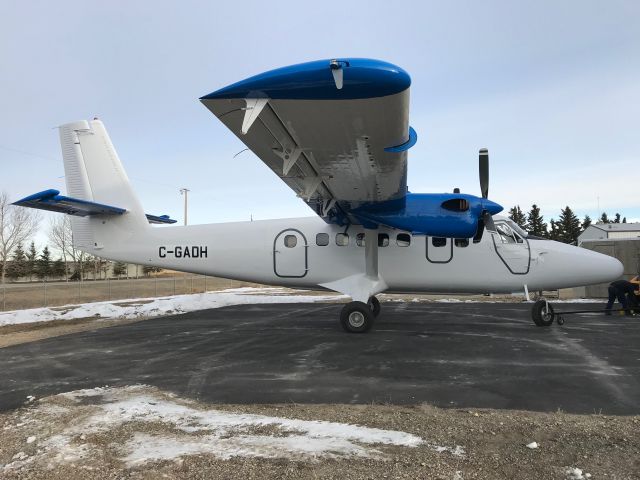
x,y
453,215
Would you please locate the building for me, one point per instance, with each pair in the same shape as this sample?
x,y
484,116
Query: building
x,y
619,240
610,231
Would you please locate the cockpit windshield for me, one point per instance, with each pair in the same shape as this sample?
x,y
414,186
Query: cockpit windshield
x,y
507,233
517,228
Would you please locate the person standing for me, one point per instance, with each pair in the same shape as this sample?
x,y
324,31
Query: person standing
x,y
625,292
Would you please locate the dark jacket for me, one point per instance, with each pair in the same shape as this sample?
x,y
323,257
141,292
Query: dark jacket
x,y
625,286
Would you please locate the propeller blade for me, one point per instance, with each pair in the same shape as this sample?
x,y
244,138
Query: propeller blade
x,y
483,162
488,221
479,231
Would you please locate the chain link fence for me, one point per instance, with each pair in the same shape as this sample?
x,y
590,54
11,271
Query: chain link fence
x,y
17,296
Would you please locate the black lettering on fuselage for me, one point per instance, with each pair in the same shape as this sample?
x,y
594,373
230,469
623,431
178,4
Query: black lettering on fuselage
x,y
192,251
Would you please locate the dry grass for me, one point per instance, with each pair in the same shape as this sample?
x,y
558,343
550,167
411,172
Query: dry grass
x,y
17,296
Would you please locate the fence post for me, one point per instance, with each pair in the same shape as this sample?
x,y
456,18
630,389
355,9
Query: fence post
x,y
109,282
45,292
174,286
155,286
79,282
205,284
4,297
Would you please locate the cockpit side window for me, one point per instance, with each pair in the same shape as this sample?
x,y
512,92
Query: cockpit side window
x,y
517,230
505,232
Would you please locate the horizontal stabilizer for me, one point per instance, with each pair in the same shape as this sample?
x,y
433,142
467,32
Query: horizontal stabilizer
x,y
52,201
159,218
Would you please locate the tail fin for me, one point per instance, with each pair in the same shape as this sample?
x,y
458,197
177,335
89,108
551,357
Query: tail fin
x,y
93,172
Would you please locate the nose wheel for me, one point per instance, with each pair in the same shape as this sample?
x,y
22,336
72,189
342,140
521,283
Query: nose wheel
x,y
357,317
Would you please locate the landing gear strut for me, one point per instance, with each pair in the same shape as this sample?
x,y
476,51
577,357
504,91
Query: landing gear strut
x,y
357,317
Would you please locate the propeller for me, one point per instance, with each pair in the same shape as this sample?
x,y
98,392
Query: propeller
x,y
486,220
483,163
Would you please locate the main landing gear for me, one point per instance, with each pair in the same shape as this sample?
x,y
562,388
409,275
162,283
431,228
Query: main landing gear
x,y
358,317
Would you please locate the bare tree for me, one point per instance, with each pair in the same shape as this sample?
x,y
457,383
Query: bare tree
x,y
17,224
60,238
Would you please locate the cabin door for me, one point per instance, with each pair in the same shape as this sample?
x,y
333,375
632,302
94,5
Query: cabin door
x,y
290,256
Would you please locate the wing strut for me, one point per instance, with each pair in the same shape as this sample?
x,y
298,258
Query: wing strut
x,y
371,253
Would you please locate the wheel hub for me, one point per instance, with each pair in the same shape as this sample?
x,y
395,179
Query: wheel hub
x,y
356,319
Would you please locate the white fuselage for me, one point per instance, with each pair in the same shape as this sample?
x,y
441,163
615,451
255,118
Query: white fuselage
x,y
266,252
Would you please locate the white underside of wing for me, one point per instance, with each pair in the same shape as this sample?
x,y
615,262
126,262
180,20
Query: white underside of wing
x,y
326,150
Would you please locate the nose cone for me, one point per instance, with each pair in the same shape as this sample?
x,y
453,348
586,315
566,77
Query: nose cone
x,y
564,266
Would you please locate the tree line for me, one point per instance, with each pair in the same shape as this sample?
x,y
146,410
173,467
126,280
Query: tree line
x,y
565,229
17,228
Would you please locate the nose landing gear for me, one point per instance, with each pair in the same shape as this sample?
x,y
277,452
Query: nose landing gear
x,y
358,317
543,315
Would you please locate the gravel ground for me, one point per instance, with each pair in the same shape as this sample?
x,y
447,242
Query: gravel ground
x,y
486,444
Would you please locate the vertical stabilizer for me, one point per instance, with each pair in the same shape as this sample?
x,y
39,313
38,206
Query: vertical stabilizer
x,y
93,172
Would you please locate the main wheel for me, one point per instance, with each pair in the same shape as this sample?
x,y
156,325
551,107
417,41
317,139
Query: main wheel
x,y
542,313
374,306
356,317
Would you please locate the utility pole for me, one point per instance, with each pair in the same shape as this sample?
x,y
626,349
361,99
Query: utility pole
x,y
185,191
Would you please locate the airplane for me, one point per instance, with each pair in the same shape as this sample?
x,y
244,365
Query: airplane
x,y
337,132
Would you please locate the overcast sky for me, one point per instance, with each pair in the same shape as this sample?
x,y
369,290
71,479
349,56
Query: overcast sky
x,y
552,88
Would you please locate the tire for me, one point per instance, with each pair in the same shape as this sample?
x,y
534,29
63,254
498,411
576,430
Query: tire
x,y
374,306
356,317
539,314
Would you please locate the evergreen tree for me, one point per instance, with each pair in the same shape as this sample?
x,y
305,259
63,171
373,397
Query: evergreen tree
x,y
43,264
119,269
535,222
617,219
32,258
58,269
555,231
517,216
624,219
586,222
18,266
604,218
569,226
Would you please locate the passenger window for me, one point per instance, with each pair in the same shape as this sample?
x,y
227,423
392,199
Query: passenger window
x,y
462,242
383,240
403,239
290,241
438,241
322,239
342,239
360,240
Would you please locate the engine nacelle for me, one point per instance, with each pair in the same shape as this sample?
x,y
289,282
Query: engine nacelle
x,y
452,215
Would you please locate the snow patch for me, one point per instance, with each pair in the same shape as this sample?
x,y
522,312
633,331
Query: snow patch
x,y
577,474
533,445
154,307
181,427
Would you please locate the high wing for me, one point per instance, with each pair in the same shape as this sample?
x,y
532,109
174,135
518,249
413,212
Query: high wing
x,y
336,131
